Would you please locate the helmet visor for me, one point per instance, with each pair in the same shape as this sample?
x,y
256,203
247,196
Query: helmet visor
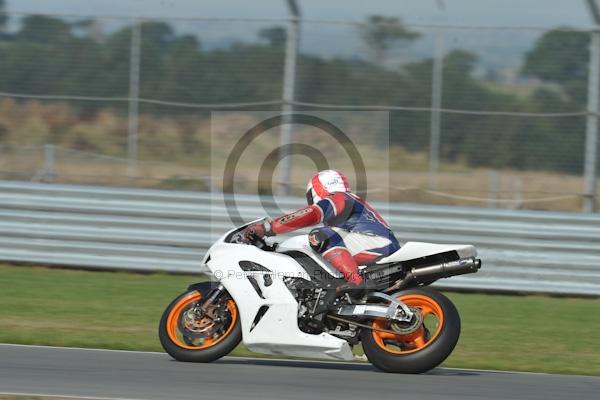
x,y
309,197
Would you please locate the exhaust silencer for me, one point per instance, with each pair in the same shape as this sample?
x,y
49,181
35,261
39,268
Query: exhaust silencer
x,y
434,272
445,270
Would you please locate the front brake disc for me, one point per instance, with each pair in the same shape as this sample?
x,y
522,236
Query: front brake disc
x,y
194,326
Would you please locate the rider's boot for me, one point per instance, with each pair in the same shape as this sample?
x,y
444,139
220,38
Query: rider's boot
x,y
342,260
355,287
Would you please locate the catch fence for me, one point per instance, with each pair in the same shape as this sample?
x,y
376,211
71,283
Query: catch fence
x,y
483,115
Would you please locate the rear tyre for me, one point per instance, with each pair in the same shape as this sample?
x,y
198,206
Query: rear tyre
x,y
191,333
418,347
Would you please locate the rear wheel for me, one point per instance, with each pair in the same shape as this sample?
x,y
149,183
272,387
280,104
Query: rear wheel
x,y
190,331
419,345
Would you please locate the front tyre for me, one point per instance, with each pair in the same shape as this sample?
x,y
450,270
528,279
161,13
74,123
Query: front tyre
x,y
190,332
417,347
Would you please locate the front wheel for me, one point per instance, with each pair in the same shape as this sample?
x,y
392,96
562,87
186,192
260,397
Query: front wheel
x,y
420,345
191,331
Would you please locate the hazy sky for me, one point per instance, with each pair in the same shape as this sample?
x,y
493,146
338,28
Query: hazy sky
x,y
539,13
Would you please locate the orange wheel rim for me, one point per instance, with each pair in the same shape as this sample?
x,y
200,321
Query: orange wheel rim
x,y
176,314
417,340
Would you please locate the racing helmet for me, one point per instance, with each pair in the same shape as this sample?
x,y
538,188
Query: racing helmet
x,y
325,183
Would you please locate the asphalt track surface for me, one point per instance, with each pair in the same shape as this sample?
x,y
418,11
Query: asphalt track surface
x,y
106,374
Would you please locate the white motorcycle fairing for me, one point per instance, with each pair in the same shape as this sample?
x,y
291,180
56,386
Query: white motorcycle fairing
x,y
408,251
413,250
277,331
300,243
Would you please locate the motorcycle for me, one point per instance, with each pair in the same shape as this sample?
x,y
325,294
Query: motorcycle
x,y
272,296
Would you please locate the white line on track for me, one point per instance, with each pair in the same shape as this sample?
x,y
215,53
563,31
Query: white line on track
x,y
79,348
265,359
63,396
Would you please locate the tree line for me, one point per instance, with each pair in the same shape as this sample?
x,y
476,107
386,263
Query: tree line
x,y
49,55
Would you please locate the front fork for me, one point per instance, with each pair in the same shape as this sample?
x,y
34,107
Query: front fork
x,y
202,305
213,295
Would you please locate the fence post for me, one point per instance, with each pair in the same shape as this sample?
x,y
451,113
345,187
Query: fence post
x,y
436,105
49,163
517,192
289,86
210,184
134,94
493,189
591,136
591,133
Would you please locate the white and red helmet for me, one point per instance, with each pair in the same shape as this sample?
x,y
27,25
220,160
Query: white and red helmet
x,y
325,183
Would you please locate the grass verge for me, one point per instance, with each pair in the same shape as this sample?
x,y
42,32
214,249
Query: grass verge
x,y
118,310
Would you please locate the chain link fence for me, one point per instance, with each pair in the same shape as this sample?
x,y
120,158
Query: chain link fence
x,y
487,116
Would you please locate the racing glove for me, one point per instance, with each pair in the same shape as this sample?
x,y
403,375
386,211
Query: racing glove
x,y
258,230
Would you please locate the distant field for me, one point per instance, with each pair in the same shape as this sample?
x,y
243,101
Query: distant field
x,y
456,184
121,311
183,152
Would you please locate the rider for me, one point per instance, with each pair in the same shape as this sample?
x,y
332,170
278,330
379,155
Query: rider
x,y
353,233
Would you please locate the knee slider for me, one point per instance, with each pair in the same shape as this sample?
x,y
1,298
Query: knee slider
x,y
318,240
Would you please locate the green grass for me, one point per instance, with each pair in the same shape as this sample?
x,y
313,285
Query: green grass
x,y
121,311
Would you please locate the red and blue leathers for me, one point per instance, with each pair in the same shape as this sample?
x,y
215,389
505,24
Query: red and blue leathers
x,y
353,232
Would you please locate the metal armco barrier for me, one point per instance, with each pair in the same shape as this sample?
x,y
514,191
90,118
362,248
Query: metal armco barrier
x,y
156,230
